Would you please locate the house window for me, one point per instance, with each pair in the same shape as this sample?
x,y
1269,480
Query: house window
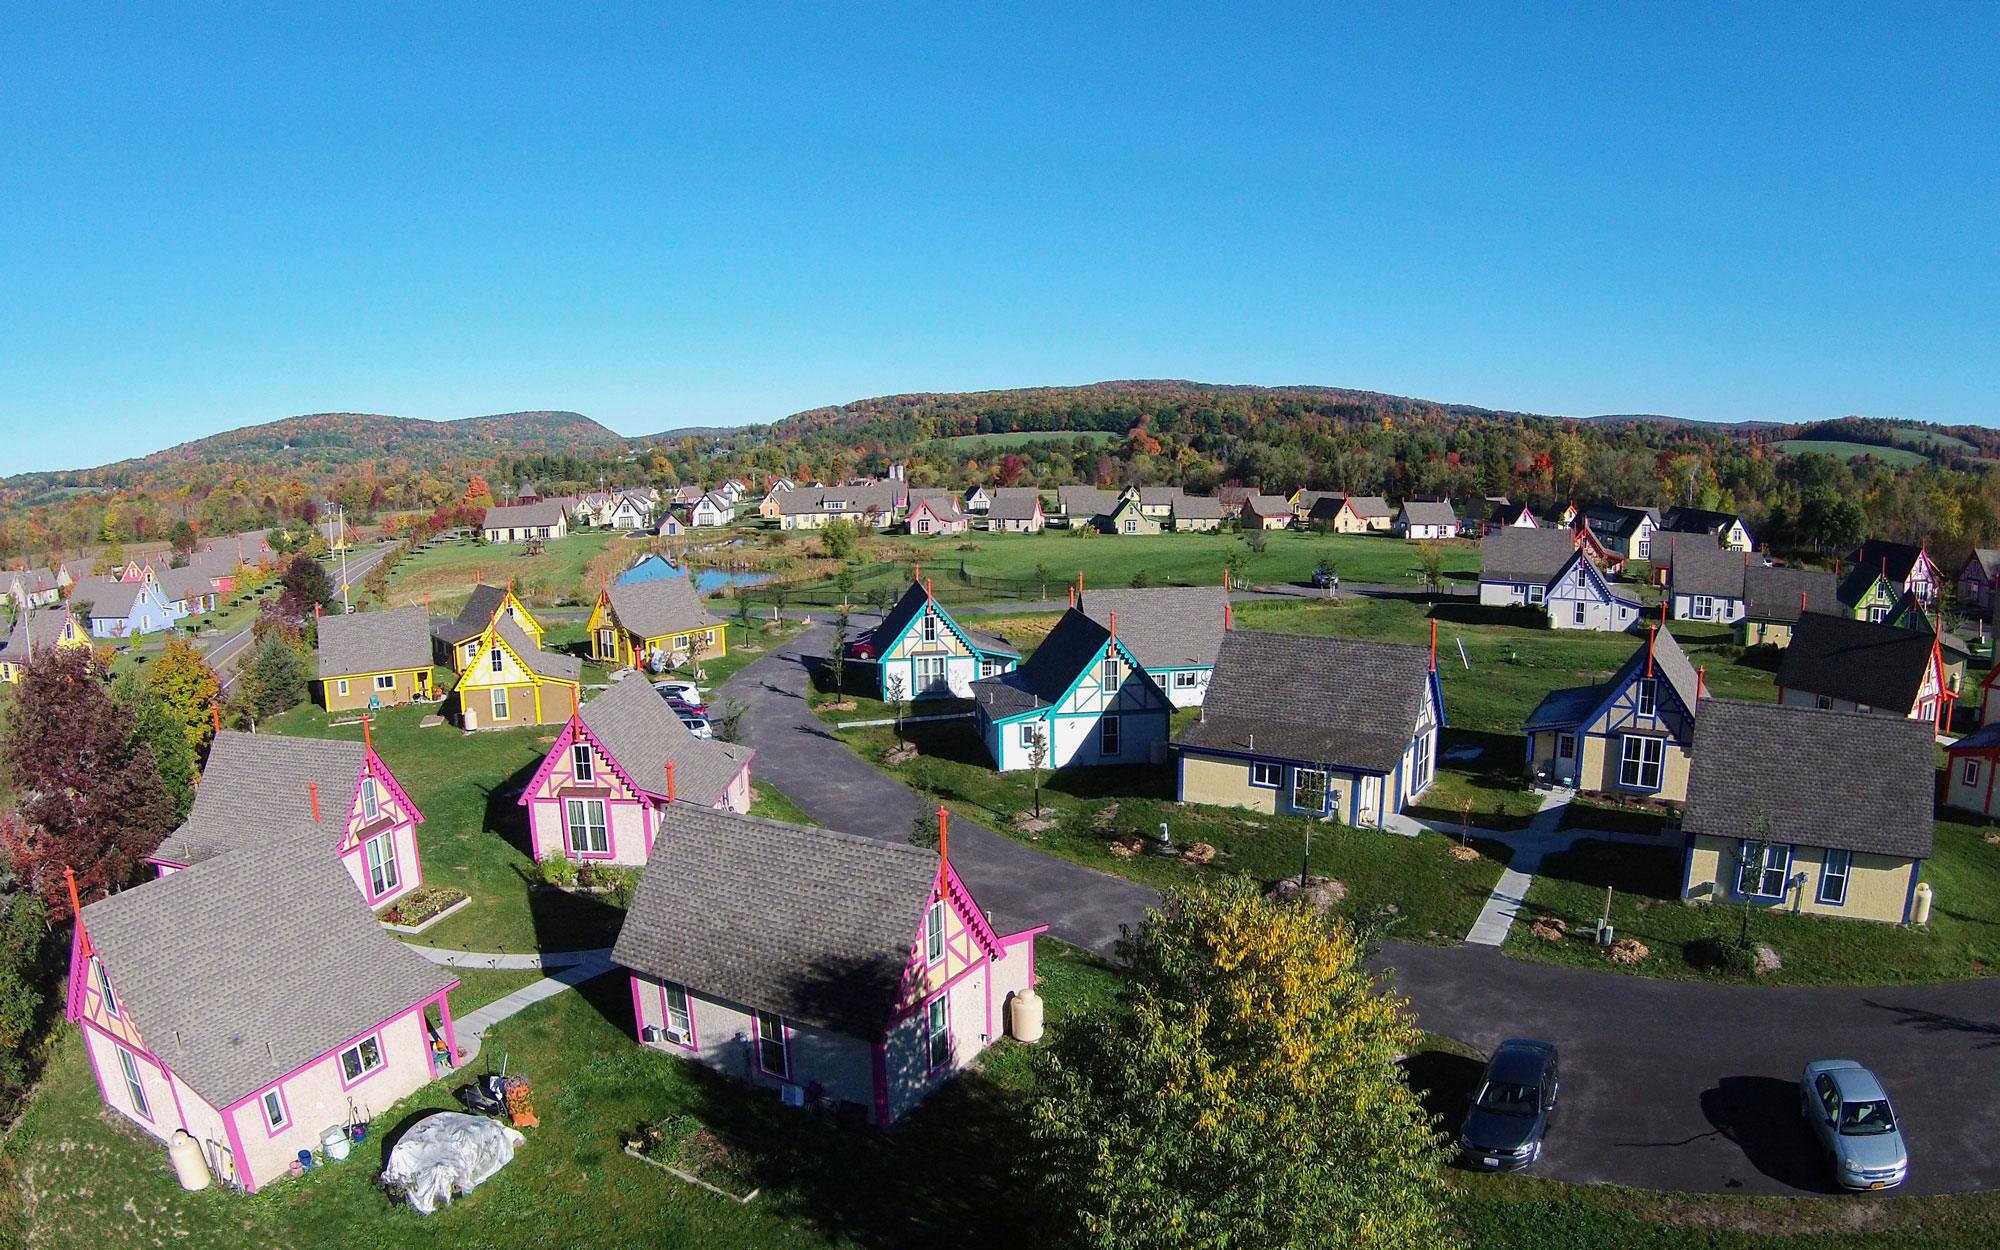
x,y
1262,774
1420,776
371,800
104,983
1875,614
1577,614
360,1059
1970,774
274,1110
588,834
581,764
1031,733
988,668
930,671
1639,767
1765,879
1648,697
1107,736
680,1020
1565,746
500,703
1645,549
380,852
1309,790
1704,607
130,1067
1131,525
934,933
1866,707
471,652
498,661
385,681
607,642
938,1025
343,685
1833,877
1185,680
1824,702
773,1052
1537,593
930,627
1112,675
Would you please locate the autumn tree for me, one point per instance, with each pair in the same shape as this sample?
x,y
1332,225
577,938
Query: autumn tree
x,y
477,494
307,586
182,538
159,727
190,687
93,799
1244,1093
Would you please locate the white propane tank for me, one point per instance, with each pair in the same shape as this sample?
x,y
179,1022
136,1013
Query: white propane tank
x,y
1024,1016
1920,914
189,1166
333,1143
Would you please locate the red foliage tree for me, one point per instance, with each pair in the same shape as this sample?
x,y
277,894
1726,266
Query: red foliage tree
x,y
94,800
1011,469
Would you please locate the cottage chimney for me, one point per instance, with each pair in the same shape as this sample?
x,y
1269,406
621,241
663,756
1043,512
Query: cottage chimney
x,y
312,790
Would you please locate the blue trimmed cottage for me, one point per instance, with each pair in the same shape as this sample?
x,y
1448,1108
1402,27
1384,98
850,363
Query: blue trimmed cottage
x,y
933,655
124,609
1336,728
1083,692
1581,597
1631,736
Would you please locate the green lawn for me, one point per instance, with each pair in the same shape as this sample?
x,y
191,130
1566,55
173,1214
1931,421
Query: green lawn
x,y
1963,939
770,803
474,835
1409,885
447,570
1895,457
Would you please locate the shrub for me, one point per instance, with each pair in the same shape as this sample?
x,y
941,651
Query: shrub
x,y
559,870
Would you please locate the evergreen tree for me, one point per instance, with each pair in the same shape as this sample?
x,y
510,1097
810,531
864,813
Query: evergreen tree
x,y
275,680
159,727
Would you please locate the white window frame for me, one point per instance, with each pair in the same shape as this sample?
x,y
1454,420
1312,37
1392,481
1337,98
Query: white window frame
x,y
276,1115
500,711
937,1031
607,641
988,668
934,933
128,1067
341,685
1580,610
929,628
498,661
1565,746
1876,613
1268,776
1110,736
1325,790
385,681
1702,607
104,985
782,1041
1111,673
1832,890
378,854
1637,759
1969,774
360,1050
1186,679
1131,525
371,799
577,820
931,671
1537,594
1420,772
679,1020
1646,696
581,765
1031,732
1764,871
1823,702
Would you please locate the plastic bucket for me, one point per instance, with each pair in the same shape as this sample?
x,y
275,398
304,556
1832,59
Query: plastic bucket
x,y
333,1144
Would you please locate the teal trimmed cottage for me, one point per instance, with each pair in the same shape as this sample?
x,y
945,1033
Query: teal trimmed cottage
x,y
1083,693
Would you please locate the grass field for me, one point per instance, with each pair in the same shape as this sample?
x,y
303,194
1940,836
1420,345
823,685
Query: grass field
x,y
1895,457
447,570
1963,939
770,803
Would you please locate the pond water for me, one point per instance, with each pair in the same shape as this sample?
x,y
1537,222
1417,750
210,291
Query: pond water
x,y
707,581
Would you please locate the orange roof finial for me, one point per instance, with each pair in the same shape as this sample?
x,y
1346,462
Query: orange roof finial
x,y
215,714
574,696
1079,581
1651,632
1700,682
367,743
76,910
928,592
312,788
1072,596
1114,627
944,845
670,781
1228,620
917,571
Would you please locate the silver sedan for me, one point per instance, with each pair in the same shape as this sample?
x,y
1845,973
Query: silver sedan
x,y
1849,1114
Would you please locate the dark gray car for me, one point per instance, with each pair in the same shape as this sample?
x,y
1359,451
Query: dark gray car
x,y
1511,1109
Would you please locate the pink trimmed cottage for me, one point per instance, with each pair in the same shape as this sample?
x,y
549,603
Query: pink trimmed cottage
x,y
832,967
616,766
251,1001
254,780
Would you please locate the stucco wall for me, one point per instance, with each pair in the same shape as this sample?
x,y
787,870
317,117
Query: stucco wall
x,y
1976,797
1878,886
361,689
843,1066
409,869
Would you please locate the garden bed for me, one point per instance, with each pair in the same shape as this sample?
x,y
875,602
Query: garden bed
x,y
683,1146
423,907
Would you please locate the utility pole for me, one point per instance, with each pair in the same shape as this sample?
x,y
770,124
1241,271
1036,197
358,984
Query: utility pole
x,y
340,515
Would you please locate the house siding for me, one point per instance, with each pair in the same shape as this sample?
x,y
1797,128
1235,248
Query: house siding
x,y
842,1066
361,688
1878,886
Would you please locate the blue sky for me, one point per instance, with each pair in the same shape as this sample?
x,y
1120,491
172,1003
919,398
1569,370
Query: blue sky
x,y
662,218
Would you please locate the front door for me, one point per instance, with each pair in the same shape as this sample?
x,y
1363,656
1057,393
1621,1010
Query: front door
x,y
1566,759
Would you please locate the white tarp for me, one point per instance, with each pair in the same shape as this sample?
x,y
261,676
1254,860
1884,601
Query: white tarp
x,y
448,1151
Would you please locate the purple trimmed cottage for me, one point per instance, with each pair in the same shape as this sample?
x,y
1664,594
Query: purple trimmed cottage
x,y
252,1001
831,967
255,779
613,770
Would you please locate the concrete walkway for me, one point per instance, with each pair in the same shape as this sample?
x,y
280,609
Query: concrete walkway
x,y
487,961
1019,885
470,1029
1510,894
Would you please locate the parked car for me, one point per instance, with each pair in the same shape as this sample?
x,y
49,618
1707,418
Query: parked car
x,y
1849,1114
1325,579
682,705
686,691
1510,1112
862,648
697,725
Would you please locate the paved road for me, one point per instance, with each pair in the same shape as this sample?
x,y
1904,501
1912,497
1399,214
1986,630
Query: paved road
x,y
1018,884
1681,1085
226,654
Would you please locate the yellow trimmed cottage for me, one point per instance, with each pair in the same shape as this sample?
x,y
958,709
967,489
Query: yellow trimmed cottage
x,y
1803,810
35,630
513,682
653,625
457,641
1631,736
374,659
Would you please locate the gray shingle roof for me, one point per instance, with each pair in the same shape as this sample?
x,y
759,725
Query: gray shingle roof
x,y
473,618
374,642
813,924
43,625
1267,505
1525,555
1073,645
1164,627
1838,656
1429,512
242,969
1849,780
1085,501
1892,560
257,783
665,605
1159,496
1697,521
1566,707
543,663
1366,506
642,733
108,598
522,516
1989,560
1197,508
1014,503
1615,520
1338,701
1702,568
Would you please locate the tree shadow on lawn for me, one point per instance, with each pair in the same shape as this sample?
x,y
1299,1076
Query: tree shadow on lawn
x,y
1471,750
504,814
953,740
1650,871
1472,613
566,921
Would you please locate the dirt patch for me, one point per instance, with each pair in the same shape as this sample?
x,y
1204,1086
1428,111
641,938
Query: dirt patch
x,y
1549,929
845,705
1028,822
1767,960
1627,951
1126,845
1105,817
1463,854
1321,892
900,754
1199,853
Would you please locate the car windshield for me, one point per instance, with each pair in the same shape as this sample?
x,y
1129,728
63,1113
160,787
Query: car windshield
x,y
1866,1119
1507,1098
